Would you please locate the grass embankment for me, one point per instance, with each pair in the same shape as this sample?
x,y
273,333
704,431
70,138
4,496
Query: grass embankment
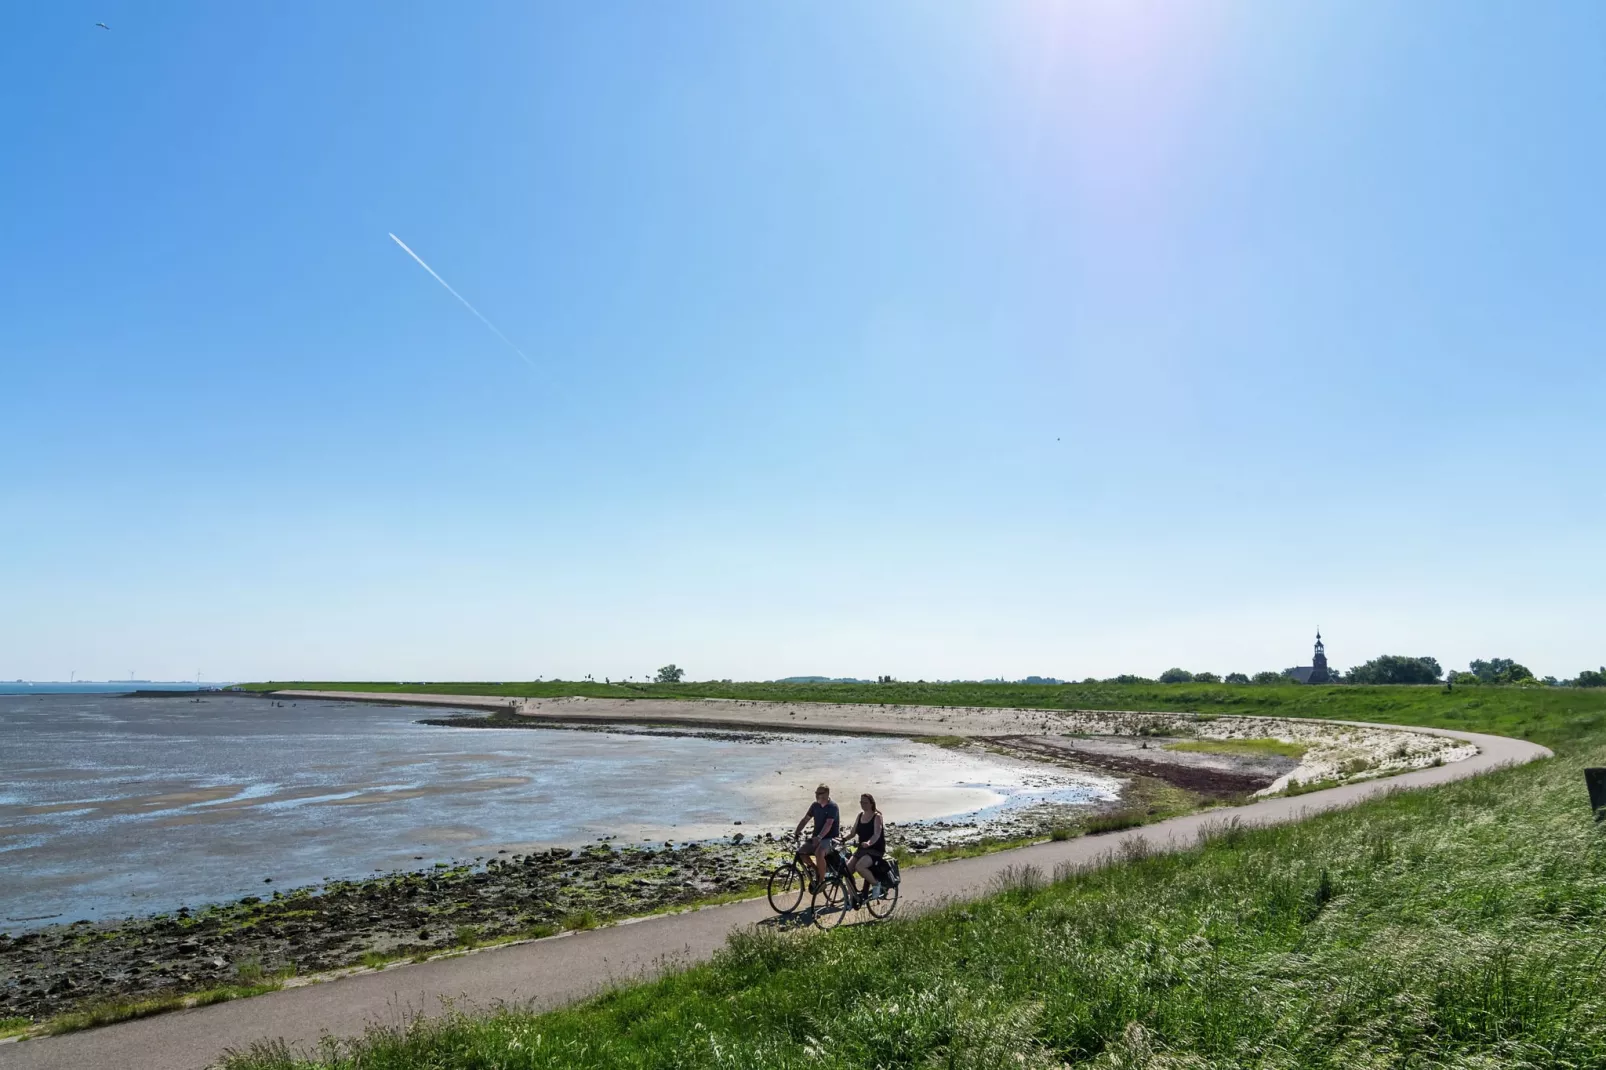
x,y
1549,715
1459,927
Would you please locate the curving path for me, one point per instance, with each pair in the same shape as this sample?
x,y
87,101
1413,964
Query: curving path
x,y
560,969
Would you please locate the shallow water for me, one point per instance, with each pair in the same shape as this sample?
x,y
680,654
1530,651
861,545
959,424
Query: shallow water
x,y
93,687
112,805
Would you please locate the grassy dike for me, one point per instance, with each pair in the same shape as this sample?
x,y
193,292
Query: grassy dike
x,y
1548,715
1459,927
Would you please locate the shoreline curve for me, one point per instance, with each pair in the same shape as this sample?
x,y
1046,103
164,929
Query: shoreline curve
x,y
547,973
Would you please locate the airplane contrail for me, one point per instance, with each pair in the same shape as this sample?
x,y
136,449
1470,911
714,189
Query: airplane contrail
x,y
463,299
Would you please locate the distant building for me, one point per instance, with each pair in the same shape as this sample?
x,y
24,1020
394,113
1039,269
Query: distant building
x,y
1316,672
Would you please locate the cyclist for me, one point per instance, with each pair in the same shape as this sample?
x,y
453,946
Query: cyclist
x,y
872,848
827,820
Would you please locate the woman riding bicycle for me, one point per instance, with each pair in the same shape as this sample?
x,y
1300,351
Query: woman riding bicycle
x,y
872,837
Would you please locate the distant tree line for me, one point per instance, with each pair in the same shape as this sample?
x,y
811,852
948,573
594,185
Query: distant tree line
x,y
1386,669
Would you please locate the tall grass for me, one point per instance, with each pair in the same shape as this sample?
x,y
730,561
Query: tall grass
x,y
1459,927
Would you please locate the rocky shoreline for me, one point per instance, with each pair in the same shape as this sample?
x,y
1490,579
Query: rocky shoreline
x,y
413,914
310,930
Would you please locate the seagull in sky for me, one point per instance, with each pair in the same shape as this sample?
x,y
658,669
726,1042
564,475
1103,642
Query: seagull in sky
x,y
103,26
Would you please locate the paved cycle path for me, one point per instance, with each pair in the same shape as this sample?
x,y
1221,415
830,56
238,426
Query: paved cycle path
x,y
548,973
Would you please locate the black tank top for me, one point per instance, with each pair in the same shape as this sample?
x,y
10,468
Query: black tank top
x,y
864,830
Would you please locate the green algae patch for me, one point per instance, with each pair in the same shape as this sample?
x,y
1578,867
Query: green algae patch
x,y
1248,747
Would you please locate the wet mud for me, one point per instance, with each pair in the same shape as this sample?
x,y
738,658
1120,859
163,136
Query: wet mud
x,y
1222,781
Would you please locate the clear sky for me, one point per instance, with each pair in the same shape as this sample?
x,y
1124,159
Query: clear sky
x,y
950,340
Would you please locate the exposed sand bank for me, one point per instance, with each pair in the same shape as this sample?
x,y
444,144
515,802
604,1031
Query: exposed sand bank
x,y
1336,751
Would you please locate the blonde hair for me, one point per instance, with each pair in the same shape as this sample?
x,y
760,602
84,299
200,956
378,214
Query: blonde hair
x,y
822,790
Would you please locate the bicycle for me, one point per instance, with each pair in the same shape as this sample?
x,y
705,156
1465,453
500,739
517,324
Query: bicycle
x,y
789,880
841,894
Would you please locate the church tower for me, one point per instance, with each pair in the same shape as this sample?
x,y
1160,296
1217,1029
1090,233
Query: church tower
x,y
1318,663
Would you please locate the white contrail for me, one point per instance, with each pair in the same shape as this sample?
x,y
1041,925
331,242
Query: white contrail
x,y
463,299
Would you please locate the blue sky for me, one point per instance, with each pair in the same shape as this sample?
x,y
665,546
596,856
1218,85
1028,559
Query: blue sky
x,y
934,340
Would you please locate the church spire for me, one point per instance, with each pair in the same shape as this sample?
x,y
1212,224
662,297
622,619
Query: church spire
x,y
1319,673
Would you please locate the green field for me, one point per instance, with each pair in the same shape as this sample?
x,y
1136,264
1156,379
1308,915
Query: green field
x,y
1548,715
1459,927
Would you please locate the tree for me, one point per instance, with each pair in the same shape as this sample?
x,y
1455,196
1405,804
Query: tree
x,y
1176,676
1128,678
1397,669
1500,671
1206,678
1236,678
1269,679
1591,678
670,674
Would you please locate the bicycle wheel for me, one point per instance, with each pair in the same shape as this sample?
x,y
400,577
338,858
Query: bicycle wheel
x,y
831,906
883,907
786,888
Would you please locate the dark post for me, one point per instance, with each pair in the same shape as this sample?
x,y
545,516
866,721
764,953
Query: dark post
x,y
1596,779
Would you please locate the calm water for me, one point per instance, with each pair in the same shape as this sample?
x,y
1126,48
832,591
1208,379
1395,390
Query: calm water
x,y
112,805
81,687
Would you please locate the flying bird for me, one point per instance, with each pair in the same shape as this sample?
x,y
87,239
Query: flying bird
x,y
103,26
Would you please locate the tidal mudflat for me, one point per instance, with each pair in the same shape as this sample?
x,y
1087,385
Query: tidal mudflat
x,y
153,845
116,806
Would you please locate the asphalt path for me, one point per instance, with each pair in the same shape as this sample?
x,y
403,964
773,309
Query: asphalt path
x,y
558,970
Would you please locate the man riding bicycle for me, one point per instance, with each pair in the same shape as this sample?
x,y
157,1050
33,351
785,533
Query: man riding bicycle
x,y
827,821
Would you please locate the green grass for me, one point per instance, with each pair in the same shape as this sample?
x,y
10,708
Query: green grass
x,y
115,1010
10,1027
1549,715
1459,927
580,921
1101,824
1253,747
